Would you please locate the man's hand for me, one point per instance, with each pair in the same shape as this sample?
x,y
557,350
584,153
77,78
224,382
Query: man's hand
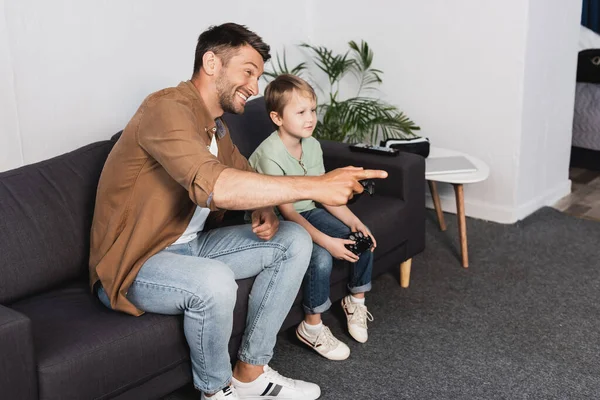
x,y
340,185
358,226
264,223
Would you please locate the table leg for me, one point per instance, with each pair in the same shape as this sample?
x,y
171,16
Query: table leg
x,y
436,203
462,223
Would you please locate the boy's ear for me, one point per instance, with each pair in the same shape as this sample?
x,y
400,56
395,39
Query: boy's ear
x,y
275,118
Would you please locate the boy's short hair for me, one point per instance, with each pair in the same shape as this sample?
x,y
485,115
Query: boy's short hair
x,y
279,91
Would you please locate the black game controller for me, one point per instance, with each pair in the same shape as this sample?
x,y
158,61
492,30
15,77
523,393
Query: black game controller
x,y
362,243
369,186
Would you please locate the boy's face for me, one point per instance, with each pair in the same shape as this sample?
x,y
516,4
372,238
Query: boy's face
x,y
299,117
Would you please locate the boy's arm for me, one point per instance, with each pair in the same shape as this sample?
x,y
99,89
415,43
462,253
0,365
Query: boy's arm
x,y
343,213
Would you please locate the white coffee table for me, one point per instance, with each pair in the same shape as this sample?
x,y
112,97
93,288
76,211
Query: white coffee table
x,y
457,180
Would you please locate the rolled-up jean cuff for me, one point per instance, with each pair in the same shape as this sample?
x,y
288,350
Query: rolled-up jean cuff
x,y
360,289
319,309
254,361
211,392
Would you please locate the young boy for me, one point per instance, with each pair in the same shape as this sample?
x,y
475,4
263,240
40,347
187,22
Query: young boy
x,y
291,150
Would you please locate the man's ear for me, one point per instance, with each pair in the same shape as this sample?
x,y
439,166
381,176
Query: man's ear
x,y
275,118
209,63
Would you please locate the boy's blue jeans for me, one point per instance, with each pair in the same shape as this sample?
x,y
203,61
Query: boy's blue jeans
x,y
197,279
317,278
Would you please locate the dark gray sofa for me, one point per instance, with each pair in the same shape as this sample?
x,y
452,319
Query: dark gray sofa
x,y
58,342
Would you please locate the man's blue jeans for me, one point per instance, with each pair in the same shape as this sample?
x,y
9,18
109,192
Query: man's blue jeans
x,y
318,277
197,279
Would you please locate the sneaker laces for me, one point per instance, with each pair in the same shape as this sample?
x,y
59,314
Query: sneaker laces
x,y
276,377
360,314
326,338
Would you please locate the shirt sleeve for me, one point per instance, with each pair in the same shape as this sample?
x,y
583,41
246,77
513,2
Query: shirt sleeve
x,y
169,133
267,166
239,161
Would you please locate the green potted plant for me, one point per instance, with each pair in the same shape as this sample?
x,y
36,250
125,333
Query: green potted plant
x,y
358,118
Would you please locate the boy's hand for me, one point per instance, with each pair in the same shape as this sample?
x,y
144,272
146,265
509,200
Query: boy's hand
x,y
265,223
336,248
358,226
340,185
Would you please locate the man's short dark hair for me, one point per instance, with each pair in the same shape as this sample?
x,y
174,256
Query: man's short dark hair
x,y
224,40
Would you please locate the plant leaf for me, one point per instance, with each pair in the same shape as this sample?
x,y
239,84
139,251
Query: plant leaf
x,y
281,68
335,66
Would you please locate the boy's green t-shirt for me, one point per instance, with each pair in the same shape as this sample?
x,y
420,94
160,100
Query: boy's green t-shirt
x,y
273,158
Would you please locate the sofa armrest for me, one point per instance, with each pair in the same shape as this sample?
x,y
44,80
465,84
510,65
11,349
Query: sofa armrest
x,y
406,172
406,180
18,373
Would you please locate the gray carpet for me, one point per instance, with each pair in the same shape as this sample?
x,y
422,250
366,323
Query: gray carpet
x,y
521,323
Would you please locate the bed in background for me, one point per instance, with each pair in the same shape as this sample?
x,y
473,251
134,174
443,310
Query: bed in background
x,y
585,151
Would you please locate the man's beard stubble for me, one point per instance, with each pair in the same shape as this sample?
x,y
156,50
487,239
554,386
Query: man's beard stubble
x,y
226,92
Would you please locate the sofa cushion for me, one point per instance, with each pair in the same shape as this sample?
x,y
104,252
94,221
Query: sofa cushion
x,y
249,129
85,351
45,218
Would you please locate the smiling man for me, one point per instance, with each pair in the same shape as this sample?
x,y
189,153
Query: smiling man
x,y
175,166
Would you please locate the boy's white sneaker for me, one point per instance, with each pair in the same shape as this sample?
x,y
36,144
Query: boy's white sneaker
x,y
357,316
228,393
271,385
324,343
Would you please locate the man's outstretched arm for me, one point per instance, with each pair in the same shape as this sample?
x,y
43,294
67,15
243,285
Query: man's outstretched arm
x,y
241,190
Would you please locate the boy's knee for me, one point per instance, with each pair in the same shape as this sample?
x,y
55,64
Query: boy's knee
x,y
321,261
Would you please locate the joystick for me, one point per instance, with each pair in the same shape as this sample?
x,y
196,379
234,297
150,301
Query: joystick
x,y
369,186
362,243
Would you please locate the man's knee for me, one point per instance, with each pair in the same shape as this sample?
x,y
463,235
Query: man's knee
x,y
214,287
295,237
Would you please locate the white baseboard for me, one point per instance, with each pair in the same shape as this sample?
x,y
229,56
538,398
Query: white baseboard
x,y
549,198
502,214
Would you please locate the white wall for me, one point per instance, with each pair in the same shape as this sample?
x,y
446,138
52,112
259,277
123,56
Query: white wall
x,y
548,97
10,143
81,68
466,71
456,69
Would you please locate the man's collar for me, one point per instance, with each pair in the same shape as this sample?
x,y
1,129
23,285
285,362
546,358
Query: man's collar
x,y
214,125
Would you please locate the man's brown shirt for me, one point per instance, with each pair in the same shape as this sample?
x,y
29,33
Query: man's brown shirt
x,y
156,174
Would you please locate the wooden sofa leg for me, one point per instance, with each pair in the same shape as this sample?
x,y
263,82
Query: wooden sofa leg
x,y
405,273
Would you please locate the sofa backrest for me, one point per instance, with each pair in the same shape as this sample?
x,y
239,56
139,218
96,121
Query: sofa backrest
x,y
45,217
249,129
46,209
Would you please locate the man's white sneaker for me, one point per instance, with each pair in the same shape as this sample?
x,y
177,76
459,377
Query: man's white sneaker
x,y
271,385
324,343
357,316
229,393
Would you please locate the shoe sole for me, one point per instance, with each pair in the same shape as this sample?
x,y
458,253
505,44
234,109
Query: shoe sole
x,y
316,351
277,398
